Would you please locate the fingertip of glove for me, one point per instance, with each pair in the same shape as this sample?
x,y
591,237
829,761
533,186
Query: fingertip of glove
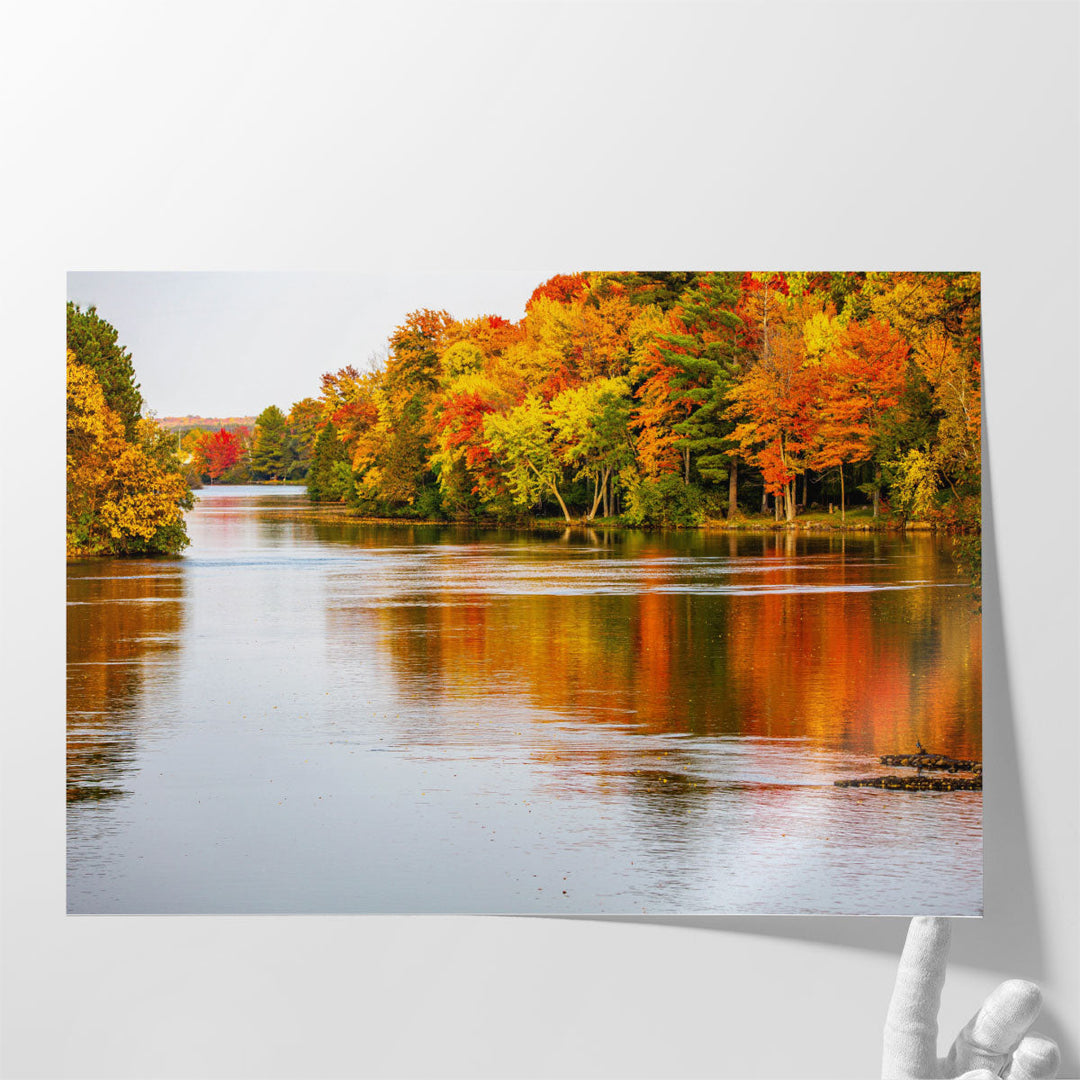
x,y
1038,1055
1027,995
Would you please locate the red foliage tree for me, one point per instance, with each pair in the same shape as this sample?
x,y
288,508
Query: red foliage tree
x,y
220,450
562,288
762,309
461,426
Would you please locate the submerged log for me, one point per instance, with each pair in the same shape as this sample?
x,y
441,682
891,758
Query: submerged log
x,y
934,762
916,783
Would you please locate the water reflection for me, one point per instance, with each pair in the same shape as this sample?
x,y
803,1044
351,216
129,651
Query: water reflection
x,y
856,646
319,715
124,621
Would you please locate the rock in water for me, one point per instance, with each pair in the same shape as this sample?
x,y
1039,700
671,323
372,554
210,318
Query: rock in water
x,y
916,783
934,762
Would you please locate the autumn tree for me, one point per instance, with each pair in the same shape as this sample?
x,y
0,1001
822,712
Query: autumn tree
x,y
95,344
864,377
121,499
161,446
842,436
477,378
524,441
403,396
575,330
350,400
762,309
773,404
939,315
191,461
547,354
562,288
602,331
658,409
591,424
462,456
219,451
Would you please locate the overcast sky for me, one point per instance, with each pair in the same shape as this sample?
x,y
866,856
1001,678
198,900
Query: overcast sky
x,y
229,344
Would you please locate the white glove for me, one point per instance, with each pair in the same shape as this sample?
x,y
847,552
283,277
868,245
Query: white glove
x,y
994,1043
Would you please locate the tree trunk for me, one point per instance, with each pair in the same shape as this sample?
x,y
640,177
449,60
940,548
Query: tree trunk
x,y
599,491
686,465
607,497
764,497
765,320
566,513
843,518
733,488
777,505
877,490
789,500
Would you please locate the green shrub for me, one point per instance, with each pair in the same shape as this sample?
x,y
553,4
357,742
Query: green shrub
x,y
666,501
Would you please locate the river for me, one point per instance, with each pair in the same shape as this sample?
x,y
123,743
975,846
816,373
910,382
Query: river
x,y
303,715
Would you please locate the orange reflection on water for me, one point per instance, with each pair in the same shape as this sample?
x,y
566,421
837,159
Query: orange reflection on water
x,y
123,619
856,646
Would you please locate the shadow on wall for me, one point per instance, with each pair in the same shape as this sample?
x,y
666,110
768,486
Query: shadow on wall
x,y
1008,940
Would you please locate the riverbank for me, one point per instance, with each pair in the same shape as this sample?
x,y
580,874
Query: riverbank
x,y
855,521
859,519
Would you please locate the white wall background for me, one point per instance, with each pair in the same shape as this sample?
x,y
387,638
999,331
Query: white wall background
x,y
500,136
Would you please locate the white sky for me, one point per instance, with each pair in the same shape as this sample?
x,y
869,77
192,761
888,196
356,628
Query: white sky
x,y
229,343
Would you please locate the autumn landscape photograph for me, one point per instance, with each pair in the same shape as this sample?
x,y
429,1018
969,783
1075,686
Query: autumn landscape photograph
x,y
642,592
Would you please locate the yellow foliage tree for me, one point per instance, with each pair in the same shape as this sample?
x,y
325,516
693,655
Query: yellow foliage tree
x,y
120,501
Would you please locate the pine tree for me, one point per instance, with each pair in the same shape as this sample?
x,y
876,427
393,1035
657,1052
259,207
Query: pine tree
x,y
329,463
271,453
703,350
94,343
409,382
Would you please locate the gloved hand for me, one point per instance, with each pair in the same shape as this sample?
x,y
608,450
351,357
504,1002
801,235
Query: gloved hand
x,y
994,1043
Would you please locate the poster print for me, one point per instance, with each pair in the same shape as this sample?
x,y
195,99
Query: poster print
x,y
649,592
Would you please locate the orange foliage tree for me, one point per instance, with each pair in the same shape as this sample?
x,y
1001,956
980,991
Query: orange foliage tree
x,y
773,405
862,378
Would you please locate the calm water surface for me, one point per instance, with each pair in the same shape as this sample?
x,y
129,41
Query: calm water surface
x,y
310,716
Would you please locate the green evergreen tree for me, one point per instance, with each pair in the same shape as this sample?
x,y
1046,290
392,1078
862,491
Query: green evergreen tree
x,y
660,287
409,382
330,478
706,357
271,450
94,343
302,429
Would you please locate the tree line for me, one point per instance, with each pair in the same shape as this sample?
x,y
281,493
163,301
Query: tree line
x,y
276,450
653,399
670,399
